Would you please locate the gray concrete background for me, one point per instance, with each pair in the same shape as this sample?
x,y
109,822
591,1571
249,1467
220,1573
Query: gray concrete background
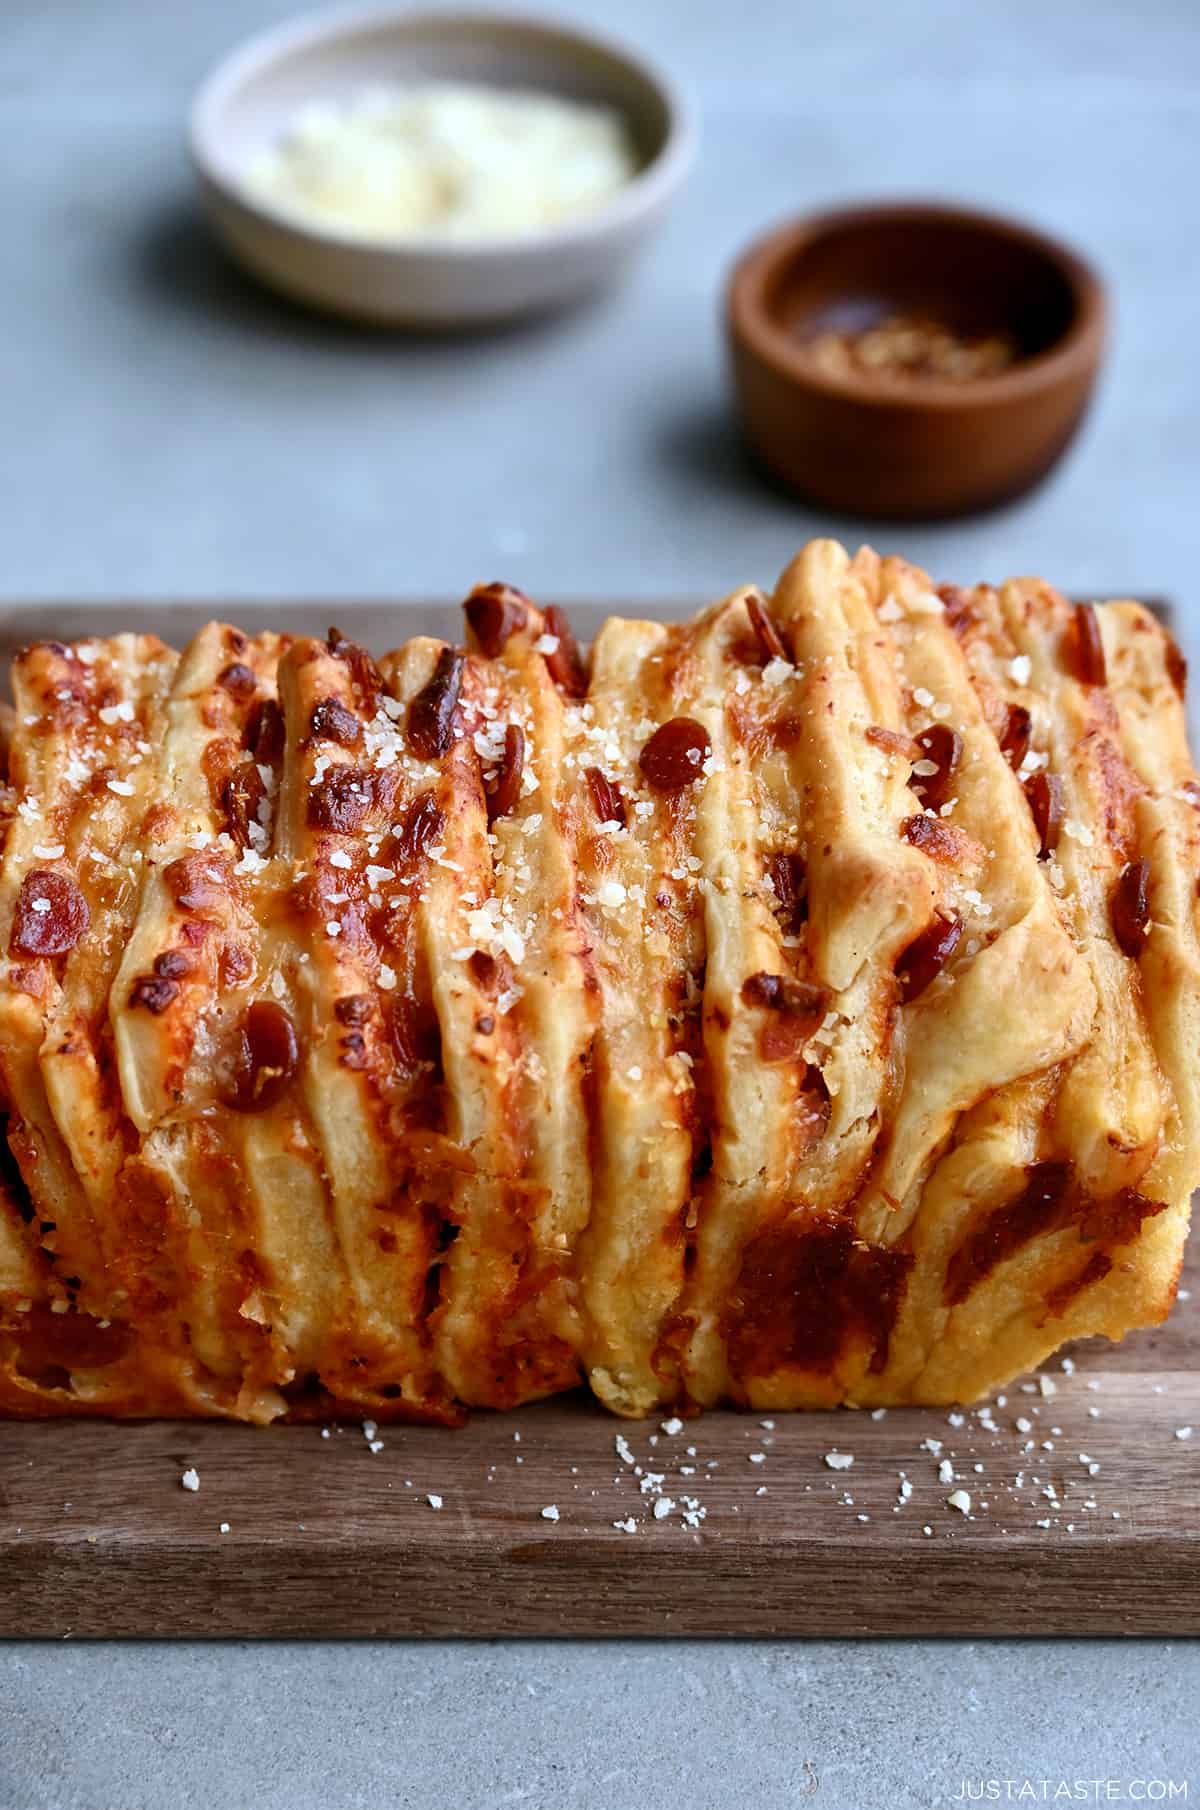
x,y
169,430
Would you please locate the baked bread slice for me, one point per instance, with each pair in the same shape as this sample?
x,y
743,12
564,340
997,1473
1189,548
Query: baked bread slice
x,y
796,1006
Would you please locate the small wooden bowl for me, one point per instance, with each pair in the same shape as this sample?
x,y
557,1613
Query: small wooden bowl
x,y
913,446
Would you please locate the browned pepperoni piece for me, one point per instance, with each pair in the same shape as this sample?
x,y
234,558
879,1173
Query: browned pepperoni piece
x,y
197,882
770,641
494,612
237,680
675,753
341,800
1129,908
364,674
263,734
1177,667
607,801
927,955
1044,794
50,916
506,787
422,826
940,841
241,795
789,877
943,746
431,713
1014,738
1087,646
332,722
565,664
267,1057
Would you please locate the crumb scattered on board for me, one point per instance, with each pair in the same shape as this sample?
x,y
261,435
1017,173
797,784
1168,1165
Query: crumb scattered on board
x,y
1007,1463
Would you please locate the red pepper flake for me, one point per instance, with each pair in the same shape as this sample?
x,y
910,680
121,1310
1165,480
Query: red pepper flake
x,y
352,1008
927,955
431,713
494,612
607,801
565,664
675,753
154,992
505,789
1129,908
172,963
50,916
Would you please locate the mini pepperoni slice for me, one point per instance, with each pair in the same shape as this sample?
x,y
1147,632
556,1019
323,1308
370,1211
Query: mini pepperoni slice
x,y
506,787
675,754
331,721
1014,737
267,1057
927,955
770,641
1088,660
423,824
1129,908
607,801
431,713
494,612
941,747
50,916
1044,794
264,732
564,663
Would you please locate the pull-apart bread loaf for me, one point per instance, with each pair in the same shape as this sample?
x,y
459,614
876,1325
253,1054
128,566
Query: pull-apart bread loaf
x,y
797,1006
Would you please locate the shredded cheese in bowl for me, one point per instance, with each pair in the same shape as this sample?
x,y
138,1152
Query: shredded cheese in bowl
x,y
451,160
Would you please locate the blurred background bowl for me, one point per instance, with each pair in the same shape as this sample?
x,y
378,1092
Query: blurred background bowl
x,y
919,446
252,97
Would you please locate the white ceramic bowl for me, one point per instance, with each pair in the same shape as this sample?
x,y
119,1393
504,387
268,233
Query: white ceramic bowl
x,y
427,282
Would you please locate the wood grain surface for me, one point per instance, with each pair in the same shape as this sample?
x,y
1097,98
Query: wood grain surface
x,y
1084,1518
98,1536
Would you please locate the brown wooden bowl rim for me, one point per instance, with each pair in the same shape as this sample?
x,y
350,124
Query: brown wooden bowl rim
x,y
751,323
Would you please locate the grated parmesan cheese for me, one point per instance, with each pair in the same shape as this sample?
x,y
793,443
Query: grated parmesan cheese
x,y
449,160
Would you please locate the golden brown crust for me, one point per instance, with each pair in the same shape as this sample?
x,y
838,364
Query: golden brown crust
x,y
796,1006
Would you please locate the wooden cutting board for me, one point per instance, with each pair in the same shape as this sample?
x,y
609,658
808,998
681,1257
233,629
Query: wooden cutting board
x,y
327,1537
1085,1520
